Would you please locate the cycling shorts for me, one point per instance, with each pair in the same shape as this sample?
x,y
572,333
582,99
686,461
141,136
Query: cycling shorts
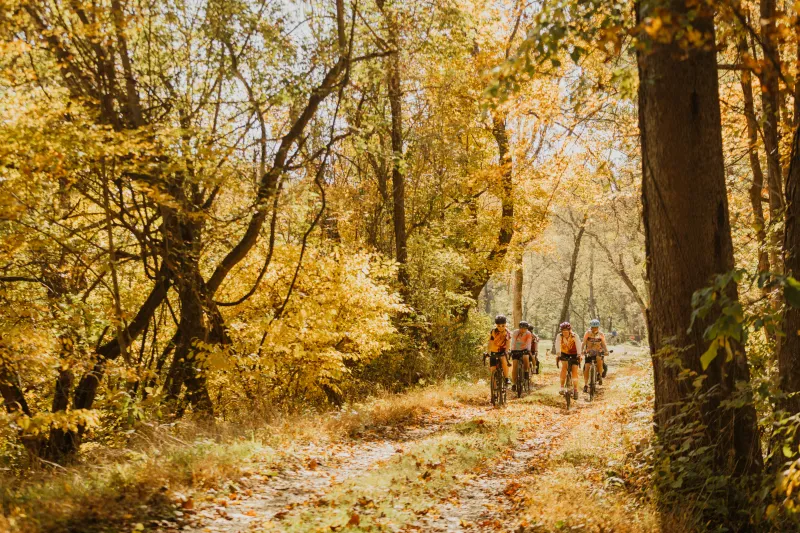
x,y
516,355
572,358
494,358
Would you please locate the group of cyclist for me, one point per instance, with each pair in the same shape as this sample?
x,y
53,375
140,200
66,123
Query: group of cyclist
x,y
522,344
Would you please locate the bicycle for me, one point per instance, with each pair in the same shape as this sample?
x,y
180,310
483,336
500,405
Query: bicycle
x,y
522,385
592,374
568,387
497,385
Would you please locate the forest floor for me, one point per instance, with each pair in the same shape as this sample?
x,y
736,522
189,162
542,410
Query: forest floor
x,y
462,466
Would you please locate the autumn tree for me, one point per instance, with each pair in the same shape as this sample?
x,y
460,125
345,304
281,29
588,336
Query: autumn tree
x,y
687,229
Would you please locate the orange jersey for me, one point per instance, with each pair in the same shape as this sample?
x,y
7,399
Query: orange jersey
x,y
499,341
568,344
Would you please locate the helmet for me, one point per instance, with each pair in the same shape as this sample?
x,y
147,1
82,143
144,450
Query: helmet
x,y
565,325
525,325
500,319
594,323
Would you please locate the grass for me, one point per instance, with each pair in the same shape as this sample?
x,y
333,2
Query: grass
x,y
117,496
426,473
594,466
114,489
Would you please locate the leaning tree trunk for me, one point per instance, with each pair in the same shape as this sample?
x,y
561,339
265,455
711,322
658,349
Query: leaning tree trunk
x,y
573,267
688,238
476,280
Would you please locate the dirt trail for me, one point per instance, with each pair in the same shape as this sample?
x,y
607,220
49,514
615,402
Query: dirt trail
x,y
513,491
261,498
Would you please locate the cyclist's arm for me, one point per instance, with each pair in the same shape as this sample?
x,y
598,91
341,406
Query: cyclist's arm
x,y
578,347
558,345
585,338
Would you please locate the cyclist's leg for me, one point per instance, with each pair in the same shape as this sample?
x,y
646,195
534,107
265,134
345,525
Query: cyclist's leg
x,y
504,362
514,365
526,360
585,371
564,366
575,377
600,361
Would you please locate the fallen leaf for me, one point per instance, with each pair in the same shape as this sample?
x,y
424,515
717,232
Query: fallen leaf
x,y
312,464
355,520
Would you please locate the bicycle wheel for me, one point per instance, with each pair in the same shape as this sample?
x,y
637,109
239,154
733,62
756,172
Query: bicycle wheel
x,y
592,381
519,376
503,390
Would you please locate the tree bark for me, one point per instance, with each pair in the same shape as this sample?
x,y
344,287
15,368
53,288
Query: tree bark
x,y
474,284
395,94
573,267
769,103
757,186
516,312
788,364
592,303
687,235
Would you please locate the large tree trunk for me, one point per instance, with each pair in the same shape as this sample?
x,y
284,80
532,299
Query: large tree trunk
x,y
687,236
788,361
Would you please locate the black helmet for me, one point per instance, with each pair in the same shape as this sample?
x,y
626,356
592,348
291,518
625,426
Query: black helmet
x,y
500,319
525,325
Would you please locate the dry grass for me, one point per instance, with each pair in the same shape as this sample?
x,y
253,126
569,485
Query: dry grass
x,y
591,481
113,489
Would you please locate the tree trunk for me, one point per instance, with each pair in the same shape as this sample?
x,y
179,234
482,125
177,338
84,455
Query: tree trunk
x,y
769,104
573,266
758,175
474,283
199,318
516,312
489,299
788,364
398,177
592,303
687,237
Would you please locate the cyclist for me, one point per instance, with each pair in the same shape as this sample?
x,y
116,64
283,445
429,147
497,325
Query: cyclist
x,y
594,347
568,351
535,352
521,345
499,344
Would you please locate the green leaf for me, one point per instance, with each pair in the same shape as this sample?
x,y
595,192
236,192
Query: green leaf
x,y
787,451
792,291
710,354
